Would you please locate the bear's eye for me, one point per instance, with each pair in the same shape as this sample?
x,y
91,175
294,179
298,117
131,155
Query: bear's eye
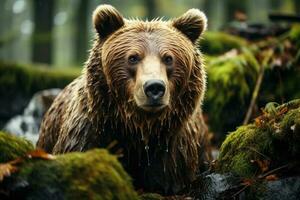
x,y
168,60
133,59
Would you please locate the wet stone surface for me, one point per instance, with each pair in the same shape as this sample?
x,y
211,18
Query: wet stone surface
x,y
287,188
227,186
28,124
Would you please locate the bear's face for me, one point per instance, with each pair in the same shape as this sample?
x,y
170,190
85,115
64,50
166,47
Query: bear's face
x,y
147,64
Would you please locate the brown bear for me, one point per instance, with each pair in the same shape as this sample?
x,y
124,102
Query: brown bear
x,y
141,89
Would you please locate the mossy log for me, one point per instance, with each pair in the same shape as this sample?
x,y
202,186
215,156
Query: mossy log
x,y
215,43
94,174
271,142
30,79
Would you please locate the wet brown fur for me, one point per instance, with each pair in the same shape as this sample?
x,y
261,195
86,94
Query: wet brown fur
x,y
163,150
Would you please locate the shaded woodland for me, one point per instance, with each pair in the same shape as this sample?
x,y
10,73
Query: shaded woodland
x,y
59,33
252,107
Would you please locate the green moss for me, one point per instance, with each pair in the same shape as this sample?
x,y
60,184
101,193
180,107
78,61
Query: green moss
x,y
274,137
94,174
231,80
240,147
295,33
30,79
12,147
91,175
215,43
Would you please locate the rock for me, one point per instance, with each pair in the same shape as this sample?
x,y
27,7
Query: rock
x,y
265,154
12,147
232,78
274,137
28,123
227,186
214,186
91,175
287,188
95,174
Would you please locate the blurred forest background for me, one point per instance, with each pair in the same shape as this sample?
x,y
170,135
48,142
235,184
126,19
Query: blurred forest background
x,y
251,48
252,58
59,32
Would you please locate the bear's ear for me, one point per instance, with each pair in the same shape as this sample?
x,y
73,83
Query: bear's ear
x,y
107,20
192,24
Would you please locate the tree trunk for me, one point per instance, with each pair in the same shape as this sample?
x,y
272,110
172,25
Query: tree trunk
x,y
81,32
297,6
233,6
151,7
42,36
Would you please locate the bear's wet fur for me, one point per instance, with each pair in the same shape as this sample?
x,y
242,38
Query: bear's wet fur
x,y
162,147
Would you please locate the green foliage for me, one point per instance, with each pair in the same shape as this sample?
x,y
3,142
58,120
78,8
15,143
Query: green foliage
x,y
214,43
94,174
30,79
274,137
12,147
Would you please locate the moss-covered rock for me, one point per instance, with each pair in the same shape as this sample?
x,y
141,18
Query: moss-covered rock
x,y
12,147
215,43
32,78
232,78
272,141
94,174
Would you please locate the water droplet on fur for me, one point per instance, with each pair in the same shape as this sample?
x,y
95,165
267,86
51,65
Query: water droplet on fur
x,y
147,152
293,127
142,136
167,145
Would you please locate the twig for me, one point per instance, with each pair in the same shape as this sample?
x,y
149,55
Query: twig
x,y
254,94
257,87
263,155
240,191
272,171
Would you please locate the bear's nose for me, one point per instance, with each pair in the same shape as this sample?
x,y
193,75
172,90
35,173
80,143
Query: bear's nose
x,y
154,89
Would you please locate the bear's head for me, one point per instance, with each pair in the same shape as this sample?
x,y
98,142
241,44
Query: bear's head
x,y
153,66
